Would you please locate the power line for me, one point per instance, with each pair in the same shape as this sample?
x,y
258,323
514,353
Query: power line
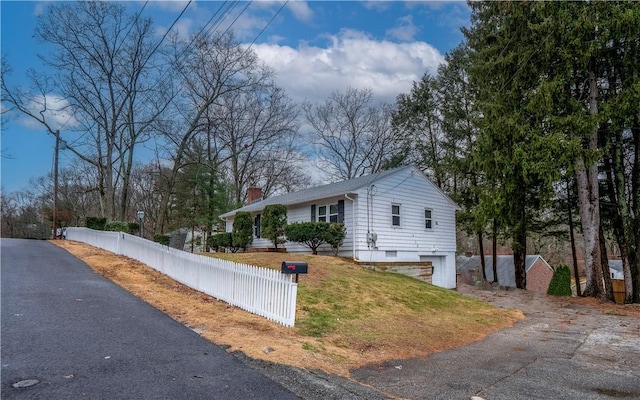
x,y
268,23
135,21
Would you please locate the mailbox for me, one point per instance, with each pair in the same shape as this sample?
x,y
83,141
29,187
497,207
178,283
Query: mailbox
x,y
294,267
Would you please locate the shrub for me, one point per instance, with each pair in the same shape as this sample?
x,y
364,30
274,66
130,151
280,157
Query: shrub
x,y
274,219
242,235
310,234
162,239
117,226
221,240
560,284
97,223
335,235
134,228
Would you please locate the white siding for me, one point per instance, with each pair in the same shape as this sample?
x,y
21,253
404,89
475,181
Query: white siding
x,y
414,194
411,241
302,213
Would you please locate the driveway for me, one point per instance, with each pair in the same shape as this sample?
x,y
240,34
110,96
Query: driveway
x,y
562,350
68,333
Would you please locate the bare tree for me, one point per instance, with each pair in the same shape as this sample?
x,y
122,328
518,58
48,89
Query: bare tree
x,y
220,84
350,133
105,71
257,130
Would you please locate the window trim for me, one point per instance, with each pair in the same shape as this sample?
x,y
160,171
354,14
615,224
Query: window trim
x,y
430,219
328,214
398,215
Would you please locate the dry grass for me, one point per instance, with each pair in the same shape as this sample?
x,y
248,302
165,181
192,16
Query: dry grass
x,y
347,317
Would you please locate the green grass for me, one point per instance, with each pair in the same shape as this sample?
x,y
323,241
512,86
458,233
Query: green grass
x,y
357,306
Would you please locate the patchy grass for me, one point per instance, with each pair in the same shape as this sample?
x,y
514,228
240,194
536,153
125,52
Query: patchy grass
x,y
346,317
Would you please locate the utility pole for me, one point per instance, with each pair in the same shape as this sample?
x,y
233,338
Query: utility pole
x,y
55,185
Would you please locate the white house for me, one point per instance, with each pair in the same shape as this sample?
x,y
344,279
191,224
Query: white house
x,y
393,216
615,269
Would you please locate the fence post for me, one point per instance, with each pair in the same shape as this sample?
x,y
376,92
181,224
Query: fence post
x,y
291,307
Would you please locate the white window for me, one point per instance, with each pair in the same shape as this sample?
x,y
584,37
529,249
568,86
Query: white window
x,y
395,214
328,213
428,221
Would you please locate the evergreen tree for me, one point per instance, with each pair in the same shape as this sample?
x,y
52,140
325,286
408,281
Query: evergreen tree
x,y
274,219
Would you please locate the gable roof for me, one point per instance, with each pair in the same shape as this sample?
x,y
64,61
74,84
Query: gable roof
x,y
328,190
504,267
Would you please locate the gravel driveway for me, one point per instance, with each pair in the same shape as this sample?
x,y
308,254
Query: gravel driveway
x,y
563,349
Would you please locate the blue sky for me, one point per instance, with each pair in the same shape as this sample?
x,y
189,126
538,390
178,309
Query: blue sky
x,y
315,48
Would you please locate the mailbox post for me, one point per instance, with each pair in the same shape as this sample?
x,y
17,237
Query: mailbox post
x,y
294,267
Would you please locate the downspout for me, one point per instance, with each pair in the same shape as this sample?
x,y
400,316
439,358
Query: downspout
x,y
353,225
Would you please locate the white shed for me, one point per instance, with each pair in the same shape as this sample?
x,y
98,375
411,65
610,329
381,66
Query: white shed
x,y
395,216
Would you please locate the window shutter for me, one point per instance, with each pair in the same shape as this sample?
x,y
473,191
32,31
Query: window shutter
x,y
313,213
340,210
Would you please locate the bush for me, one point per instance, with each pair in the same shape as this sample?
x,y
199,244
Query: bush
x,y
274,219
117,226
560,284
162,239
310,234
221,240
134,228
97,223
335,235
242,235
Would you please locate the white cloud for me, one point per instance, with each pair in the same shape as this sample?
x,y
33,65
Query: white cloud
x,y
352,59
405,31
183,28
376,5
300,10
59,114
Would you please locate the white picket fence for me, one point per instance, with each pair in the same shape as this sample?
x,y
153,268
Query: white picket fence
x,y
262,291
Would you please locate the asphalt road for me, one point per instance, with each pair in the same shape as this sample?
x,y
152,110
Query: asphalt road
x,y
81,336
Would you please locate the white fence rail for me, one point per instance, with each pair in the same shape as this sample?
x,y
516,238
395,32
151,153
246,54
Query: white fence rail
x,y
262,291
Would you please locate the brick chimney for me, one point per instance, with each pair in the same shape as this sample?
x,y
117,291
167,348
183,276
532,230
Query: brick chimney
x,y
254,194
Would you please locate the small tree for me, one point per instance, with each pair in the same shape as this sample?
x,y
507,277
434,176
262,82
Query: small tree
x,y
117,226
310,234
335,235
222,240
242,235
97,223
560,284
162,239
274,220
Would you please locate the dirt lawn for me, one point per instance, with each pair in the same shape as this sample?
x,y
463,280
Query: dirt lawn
x,y
261,339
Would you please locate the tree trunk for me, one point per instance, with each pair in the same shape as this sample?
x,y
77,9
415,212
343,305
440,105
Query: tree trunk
x,y
574,257
589,201
621,219
520,252
481,250
606,274
634,256
495,250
